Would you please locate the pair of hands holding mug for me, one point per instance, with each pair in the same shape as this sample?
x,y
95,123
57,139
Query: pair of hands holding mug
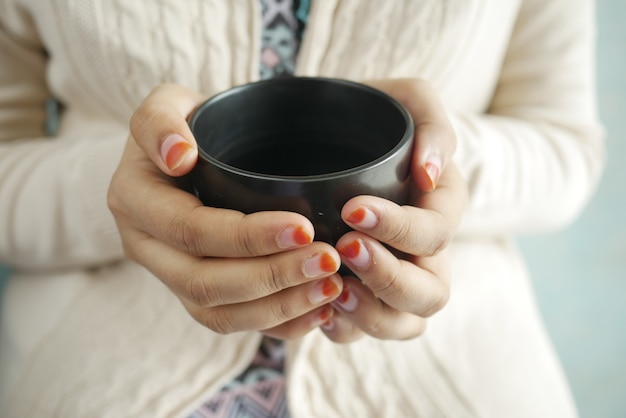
x,y
264,271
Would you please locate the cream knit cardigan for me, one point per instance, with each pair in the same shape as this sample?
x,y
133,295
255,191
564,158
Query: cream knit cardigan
x,y
86,333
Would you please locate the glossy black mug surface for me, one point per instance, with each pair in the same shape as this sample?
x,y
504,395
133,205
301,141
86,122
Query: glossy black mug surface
x,y
305,145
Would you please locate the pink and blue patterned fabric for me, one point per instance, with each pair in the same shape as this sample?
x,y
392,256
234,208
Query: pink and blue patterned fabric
x,y
259,392
283,26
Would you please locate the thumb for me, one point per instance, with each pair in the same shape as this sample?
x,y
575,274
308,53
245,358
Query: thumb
x,y
159,127
435,139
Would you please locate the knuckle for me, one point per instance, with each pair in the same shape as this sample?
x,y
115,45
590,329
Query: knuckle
x,y
137,120
401,235
247,242
218,321
185,236
273,278
441,234
144,116
436,246
281,312
386,285
201,293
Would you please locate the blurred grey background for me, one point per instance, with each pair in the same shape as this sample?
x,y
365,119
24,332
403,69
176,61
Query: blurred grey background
x,y
580,272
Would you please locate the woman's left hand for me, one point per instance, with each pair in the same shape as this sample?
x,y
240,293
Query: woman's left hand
x,y
399,252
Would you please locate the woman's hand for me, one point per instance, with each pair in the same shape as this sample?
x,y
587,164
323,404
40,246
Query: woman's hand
x,y
231,271
399,252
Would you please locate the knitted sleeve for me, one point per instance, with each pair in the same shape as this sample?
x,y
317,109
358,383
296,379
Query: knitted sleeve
x,y
53,211
534,160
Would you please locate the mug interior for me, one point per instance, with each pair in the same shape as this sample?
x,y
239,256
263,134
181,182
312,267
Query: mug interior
x,y
300,127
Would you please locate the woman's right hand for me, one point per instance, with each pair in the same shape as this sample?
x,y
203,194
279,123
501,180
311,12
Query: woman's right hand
x,y
231,271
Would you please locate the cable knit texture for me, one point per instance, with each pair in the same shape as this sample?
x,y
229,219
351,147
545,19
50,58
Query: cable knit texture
x,y
87,333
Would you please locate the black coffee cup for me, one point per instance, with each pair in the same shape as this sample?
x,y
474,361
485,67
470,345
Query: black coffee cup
x,y
305,145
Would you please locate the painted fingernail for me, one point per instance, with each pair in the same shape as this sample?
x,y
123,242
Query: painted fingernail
x,y
432,167
321,264
324,316
174,150
356,253
328,325
294,237
325,289
347,300
363,217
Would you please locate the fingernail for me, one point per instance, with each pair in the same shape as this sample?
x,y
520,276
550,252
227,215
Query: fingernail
x,y
356,253
324,316
325,289
294,237
363,217
432,167
347,300
174,150
321,264
328,325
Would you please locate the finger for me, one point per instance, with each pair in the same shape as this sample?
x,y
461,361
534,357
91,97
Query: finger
x,y
271,311
420,285
340,329
159,126
371,315
409,229
423,229
435,139
209,282
302,325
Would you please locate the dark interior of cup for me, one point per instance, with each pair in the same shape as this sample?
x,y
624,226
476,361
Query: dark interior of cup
x,y
298,127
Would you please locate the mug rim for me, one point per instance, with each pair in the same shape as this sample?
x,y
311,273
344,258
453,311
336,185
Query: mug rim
x,y
407,136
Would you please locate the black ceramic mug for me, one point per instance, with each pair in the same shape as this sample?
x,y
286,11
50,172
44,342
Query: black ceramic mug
x,y
304,145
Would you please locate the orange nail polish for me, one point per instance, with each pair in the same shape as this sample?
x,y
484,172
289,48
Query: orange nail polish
x,y
356,253
174,150
325,318
294,237
324,290
362,217
344,296
301,236
320,265
329,288
356,216
325,314
347,300
432,171
328,263
351,250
